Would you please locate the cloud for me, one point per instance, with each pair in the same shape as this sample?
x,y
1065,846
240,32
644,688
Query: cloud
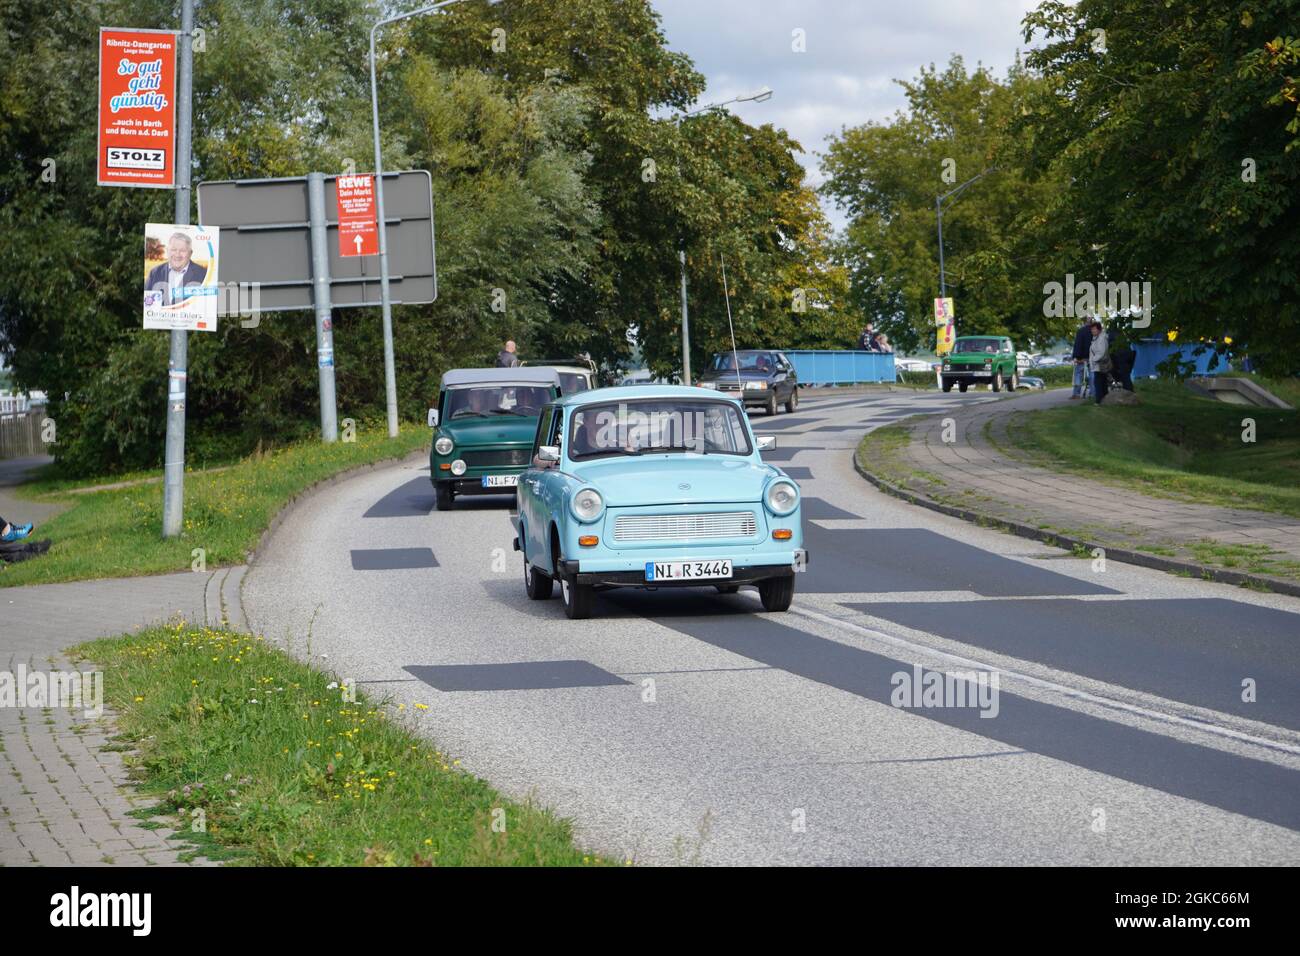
x,y
855,49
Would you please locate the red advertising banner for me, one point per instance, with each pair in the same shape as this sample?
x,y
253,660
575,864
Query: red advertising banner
x,y
137,108
358,228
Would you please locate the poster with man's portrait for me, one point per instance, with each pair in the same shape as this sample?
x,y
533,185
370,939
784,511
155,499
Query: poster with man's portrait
x,y
180,277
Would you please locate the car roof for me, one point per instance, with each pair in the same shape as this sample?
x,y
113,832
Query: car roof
x,y
636,392
520,375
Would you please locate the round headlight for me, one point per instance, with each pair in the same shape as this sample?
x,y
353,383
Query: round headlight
x,y
443,445
458,467
587,504
782,496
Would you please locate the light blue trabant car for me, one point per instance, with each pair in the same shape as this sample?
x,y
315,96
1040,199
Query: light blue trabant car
x,y
654,486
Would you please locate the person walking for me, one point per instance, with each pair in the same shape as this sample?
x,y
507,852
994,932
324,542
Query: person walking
x,y
507,358
1099,361
1082,342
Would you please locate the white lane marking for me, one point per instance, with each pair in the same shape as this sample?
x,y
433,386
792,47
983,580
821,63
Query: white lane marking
x,y
1050,685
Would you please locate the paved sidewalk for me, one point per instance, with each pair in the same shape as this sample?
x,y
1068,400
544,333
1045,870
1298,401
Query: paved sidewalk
x,y
63,798
975,473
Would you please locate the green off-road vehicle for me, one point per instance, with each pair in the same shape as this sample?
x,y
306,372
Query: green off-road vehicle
x,y
980,358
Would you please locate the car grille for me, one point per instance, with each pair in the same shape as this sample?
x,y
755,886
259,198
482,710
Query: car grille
x,y
500,456
732,524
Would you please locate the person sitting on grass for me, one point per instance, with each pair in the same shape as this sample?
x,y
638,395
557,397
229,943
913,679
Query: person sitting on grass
x,y
13,547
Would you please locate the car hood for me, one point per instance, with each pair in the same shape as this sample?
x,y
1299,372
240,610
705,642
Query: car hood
x,y
626,482
490,430
746,375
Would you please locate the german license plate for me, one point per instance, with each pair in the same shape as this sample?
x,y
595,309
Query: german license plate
x,y
500,481
687,570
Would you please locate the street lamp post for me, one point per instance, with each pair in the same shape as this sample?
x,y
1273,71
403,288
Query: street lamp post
x,y
938,215
390,371
761,95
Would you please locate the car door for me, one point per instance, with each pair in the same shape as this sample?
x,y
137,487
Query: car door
x,y
786,384
792,377
529,485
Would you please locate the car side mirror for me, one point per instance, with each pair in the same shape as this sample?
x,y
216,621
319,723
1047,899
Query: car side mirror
x,y
433,418
548,454
766,442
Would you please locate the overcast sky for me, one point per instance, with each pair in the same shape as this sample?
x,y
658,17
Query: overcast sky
x,y
855,49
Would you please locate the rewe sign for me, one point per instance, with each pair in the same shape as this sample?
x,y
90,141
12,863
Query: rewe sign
x,y
358,229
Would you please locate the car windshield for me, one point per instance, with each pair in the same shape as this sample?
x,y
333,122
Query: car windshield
x,y
571,382
480,400
968,346
749,362
657,426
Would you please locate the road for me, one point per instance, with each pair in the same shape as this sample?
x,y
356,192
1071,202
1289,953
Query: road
x,y
681,727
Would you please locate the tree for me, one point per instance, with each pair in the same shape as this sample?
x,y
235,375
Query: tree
x,y
886,177
1167,128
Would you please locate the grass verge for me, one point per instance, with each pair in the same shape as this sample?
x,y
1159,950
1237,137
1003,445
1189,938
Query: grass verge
x,y
287,773
118,532
1174,444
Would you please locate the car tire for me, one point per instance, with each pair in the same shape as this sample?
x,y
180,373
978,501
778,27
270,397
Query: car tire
x,y
727,588
1015,381
996,384
578,599
947,385
444,495
962,386
539,585
776,593
793,402
770,407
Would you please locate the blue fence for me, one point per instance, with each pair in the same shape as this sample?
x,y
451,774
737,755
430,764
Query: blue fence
x,y
1151,352
841,367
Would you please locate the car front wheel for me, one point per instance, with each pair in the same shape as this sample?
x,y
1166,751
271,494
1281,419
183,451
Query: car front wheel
x,y
538,584
961,387
578,599
444,495
776,593
793,402
947,385
770,407
997,381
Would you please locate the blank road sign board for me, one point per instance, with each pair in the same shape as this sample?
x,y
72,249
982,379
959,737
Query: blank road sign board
x,y
265,238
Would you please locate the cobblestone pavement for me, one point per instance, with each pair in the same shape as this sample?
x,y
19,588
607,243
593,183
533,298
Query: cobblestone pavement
x,y
64,799
978,471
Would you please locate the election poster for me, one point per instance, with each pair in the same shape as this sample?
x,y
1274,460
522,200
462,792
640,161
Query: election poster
x,y
180,277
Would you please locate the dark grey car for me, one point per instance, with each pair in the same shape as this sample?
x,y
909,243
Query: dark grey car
x,y
757,376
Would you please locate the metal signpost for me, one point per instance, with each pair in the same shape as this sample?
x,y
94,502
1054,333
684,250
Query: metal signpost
x,y
276,233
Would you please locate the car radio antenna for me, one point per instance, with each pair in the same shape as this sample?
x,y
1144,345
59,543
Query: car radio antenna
x,y
726,294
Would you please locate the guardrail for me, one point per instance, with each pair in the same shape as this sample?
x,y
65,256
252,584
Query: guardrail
x,y
20,435
842,366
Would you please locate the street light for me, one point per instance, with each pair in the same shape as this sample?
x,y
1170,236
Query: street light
x,y
390,371
760,95
938,212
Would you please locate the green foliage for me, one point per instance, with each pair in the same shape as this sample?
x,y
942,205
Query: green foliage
x,y
887,176
1171,143
537,152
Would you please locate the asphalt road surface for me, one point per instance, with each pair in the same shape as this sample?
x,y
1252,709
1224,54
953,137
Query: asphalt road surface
x,y
688,726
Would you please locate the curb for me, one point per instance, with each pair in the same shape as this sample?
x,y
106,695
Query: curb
x,y
1123,555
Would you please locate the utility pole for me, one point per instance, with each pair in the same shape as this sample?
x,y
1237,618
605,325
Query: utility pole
x,y
320,279
686,326
174,449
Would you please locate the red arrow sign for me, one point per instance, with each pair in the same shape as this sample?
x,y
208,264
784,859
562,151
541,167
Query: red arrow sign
x,y
358,230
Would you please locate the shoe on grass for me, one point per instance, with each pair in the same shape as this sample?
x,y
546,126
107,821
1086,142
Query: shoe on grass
x,y
16,532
